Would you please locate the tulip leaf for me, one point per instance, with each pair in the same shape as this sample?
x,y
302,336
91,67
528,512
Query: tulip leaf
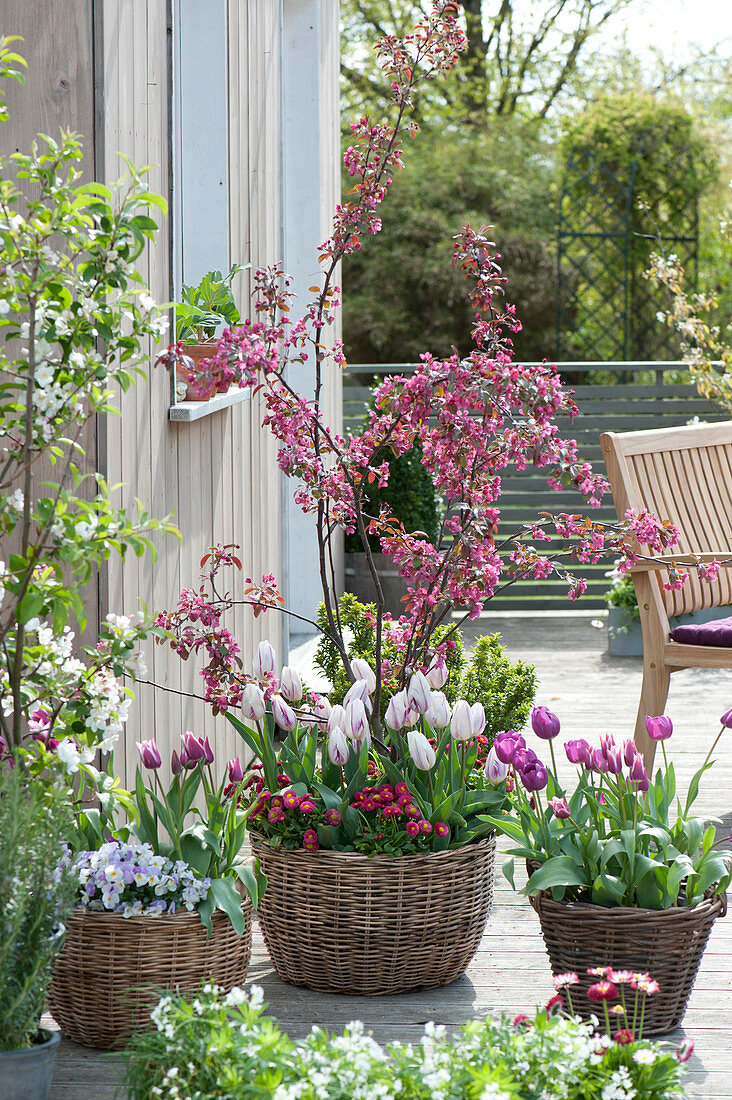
x,y
223,894
608,890
253,879
331,799
557,871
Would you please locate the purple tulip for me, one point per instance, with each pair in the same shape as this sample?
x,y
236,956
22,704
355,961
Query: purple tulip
x,y
522,758
236,773
338,750
175,763
598,763
637,772
284,715
418,693
726,719
208,751
544,723
290,685
264,661
534,776
560,807
194,747
362,670
185,760
495,769
420,750
630,752
579,752
149,754
613,761
659,728
506,744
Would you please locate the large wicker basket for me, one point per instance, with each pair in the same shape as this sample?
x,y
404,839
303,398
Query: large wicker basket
x,y
342,922
106,979
668,944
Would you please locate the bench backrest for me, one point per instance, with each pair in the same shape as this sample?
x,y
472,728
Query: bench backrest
x,y
684,475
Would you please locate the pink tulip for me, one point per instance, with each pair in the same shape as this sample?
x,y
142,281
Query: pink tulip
x,y
659,728
236,772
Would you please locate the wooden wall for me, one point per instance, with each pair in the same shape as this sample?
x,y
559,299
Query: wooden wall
x,y
103,67
217,474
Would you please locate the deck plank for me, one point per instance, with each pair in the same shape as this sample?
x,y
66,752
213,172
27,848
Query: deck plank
x,y
593,693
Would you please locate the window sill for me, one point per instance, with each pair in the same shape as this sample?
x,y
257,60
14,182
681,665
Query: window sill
x,y
188,411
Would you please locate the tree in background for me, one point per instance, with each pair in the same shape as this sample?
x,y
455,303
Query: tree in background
x,y
502,178
635,170
520,57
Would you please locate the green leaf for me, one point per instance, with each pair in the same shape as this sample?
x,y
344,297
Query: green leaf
x,y
557,871
223,894
253,880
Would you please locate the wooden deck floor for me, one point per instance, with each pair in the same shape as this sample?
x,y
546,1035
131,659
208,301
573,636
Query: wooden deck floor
x,y
592,693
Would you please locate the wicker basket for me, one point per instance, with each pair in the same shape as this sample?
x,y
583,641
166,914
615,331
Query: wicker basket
x,y
668,944
342,922
110,969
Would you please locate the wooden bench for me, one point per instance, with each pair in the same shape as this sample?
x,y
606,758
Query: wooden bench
x,y
684,475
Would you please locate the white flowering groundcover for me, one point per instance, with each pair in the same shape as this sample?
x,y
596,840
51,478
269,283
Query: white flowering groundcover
x,y
218,1045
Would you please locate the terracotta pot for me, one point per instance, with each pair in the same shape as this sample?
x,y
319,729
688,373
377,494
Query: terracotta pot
x,y
199,352
343,922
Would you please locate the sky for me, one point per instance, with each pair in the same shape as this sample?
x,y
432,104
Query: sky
x,y
671,25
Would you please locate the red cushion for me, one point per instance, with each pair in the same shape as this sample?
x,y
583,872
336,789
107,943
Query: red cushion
x,y
718,632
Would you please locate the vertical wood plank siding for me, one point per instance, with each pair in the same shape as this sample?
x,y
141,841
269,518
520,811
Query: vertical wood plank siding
x,y
218,474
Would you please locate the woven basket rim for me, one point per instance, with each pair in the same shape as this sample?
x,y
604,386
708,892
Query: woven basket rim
x,y
674,912
149,919
381,858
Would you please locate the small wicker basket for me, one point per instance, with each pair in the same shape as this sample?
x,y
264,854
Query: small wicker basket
x,y
342,922
668,944
111,968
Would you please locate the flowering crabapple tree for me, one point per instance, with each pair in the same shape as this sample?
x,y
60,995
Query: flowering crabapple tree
x,y
472,419
73,312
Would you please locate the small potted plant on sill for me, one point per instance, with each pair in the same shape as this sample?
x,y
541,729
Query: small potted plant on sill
x,y
36,895
615,876
204,310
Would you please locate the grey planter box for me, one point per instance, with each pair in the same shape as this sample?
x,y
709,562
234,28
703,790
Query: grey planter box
x,y
629,643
